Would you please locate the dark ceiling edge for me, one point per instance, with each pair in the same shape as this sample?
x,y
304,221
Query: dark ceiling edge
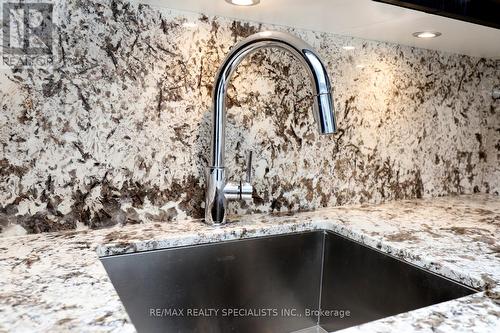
x,y
495,23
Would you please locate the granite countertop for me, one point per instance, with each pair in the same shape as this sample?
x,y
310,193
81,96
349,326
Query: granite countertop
x,y
55,283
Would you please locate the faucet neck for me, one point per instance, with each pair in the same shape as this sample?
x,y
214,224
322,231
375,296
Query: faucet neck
x,y
302,51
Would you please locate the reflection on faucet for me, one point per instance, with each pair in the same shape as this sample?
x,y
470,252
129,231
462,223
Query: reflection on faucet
x,y
217,191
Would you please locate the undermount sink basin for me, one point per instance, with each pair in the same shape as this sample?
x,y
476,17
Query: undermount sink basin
x,y
271,284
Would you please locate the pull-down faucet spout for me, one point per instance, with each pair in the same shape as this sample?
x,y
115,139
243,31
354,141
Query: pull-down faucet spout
x,y
217,191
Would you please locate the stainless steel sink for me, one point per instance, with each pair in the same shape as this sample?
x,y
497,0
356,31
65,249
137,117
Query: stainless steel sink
x,y
271,284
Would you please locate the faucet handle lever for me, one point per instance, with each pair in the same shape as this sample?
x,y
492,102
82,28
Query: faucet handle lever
x,y
242,190
248,177
246,189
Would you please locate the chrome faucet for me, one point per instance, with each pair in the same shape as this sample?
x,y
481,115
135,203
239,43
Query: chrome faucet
x,y
217,191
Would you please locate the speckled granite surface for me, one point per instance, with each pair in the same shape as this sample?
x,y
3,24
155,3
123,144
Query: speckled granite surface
x,y
54,282
118,131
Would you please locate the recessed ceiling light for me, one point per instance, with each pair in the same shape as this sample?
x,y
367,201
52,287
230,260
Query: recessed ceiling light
x,y
348,47
243,2
426,34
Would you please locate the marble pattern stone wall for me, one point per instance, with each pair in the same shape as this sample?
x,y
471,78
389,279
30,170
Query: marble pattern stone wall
x,y
118,130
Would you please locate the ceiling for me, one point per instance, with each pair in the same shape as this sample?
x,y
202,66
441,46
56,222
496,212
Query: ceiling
x,y
360,18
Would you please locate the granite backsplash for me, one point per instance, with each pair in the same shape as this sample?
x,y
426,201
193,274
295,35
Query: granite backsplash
x,y
118,130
